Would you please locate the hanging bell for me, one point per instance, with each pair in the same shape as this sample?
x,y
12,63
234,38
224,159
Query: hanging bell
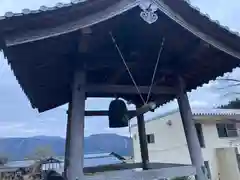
x,y
117,114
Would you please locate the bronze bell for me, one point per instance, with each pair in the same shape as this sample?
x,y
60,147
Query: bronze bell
x,y
117,114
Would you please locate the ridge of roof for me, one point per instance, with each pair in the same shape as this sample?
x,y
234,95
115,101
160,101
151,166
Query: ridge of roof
x,y
43,8
59,5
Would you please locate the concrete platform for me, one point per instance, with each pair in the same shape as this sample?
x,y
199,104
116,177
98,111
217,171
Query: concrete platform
x,y
153,174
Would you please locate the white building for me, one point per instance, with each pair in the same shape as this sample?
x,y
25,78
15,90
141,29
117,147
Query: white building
x,y
218,136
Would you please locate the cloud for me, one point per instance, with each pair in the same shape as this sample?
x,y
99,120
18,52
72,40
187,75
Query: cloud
x,y
226,12
8,126
199,103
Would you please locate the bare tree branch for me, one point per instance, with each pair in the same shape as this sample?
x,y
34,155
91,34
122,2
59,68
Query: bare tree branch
x,y
231,93
229,86
229,79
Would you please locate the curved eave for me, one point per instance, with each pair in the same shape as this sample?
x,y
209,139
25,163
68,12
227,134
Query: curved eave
x,y
91,13
179,11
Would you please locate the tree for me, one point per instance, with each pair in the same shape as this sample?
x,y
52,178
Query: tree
x,y
235,104
231,85
3,160
42,153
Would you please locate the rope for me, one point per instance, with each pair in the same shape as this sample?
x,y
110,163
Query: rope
x,y
129,72
155,69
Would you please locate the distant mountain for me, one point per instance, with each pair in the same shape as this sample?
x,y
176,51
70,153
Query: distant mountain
x,y
20,148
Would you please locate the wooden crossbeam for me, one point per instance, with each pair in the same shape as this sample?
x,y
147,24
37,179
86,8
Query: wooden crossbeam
x,y
126,89
104,113
131,113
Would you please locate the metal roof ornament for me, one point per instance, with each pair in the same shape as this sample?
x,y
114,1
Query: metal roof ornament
x,y
43,8
9,14
26,11
148,14
59,5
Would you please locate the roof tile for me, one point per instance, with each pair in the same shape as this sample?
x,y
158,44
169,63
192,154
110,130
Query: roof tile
x,y
199,112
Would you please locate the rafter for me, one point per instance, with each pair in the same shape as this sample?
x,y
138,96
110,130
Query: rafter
x,y
126,89
104,113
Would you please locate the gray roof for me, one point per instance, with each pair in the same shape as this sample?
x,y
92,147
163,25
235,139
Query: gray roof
x,y
89,161
200,112
215,112
19,164
15,165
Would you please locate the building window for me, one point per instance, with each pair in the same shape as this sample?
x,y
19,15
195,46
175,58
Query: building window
x,y
150,138
200,135
227,130
206,164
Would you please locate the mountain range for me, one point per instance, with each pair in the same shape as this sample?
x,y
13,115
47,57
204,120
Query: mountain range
x,y
20,148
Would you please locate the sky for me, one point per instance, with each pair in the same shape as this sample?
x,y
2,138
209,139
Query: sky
x,y
18,119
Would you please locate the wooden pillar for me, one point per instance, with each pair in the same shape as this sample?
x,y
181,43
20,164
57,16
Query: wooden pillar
x,y
143,141
76,144
191,133
67,143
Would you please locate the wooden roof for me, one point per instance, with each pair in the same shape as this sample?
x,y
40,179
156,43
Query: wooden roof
x,y
43,47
